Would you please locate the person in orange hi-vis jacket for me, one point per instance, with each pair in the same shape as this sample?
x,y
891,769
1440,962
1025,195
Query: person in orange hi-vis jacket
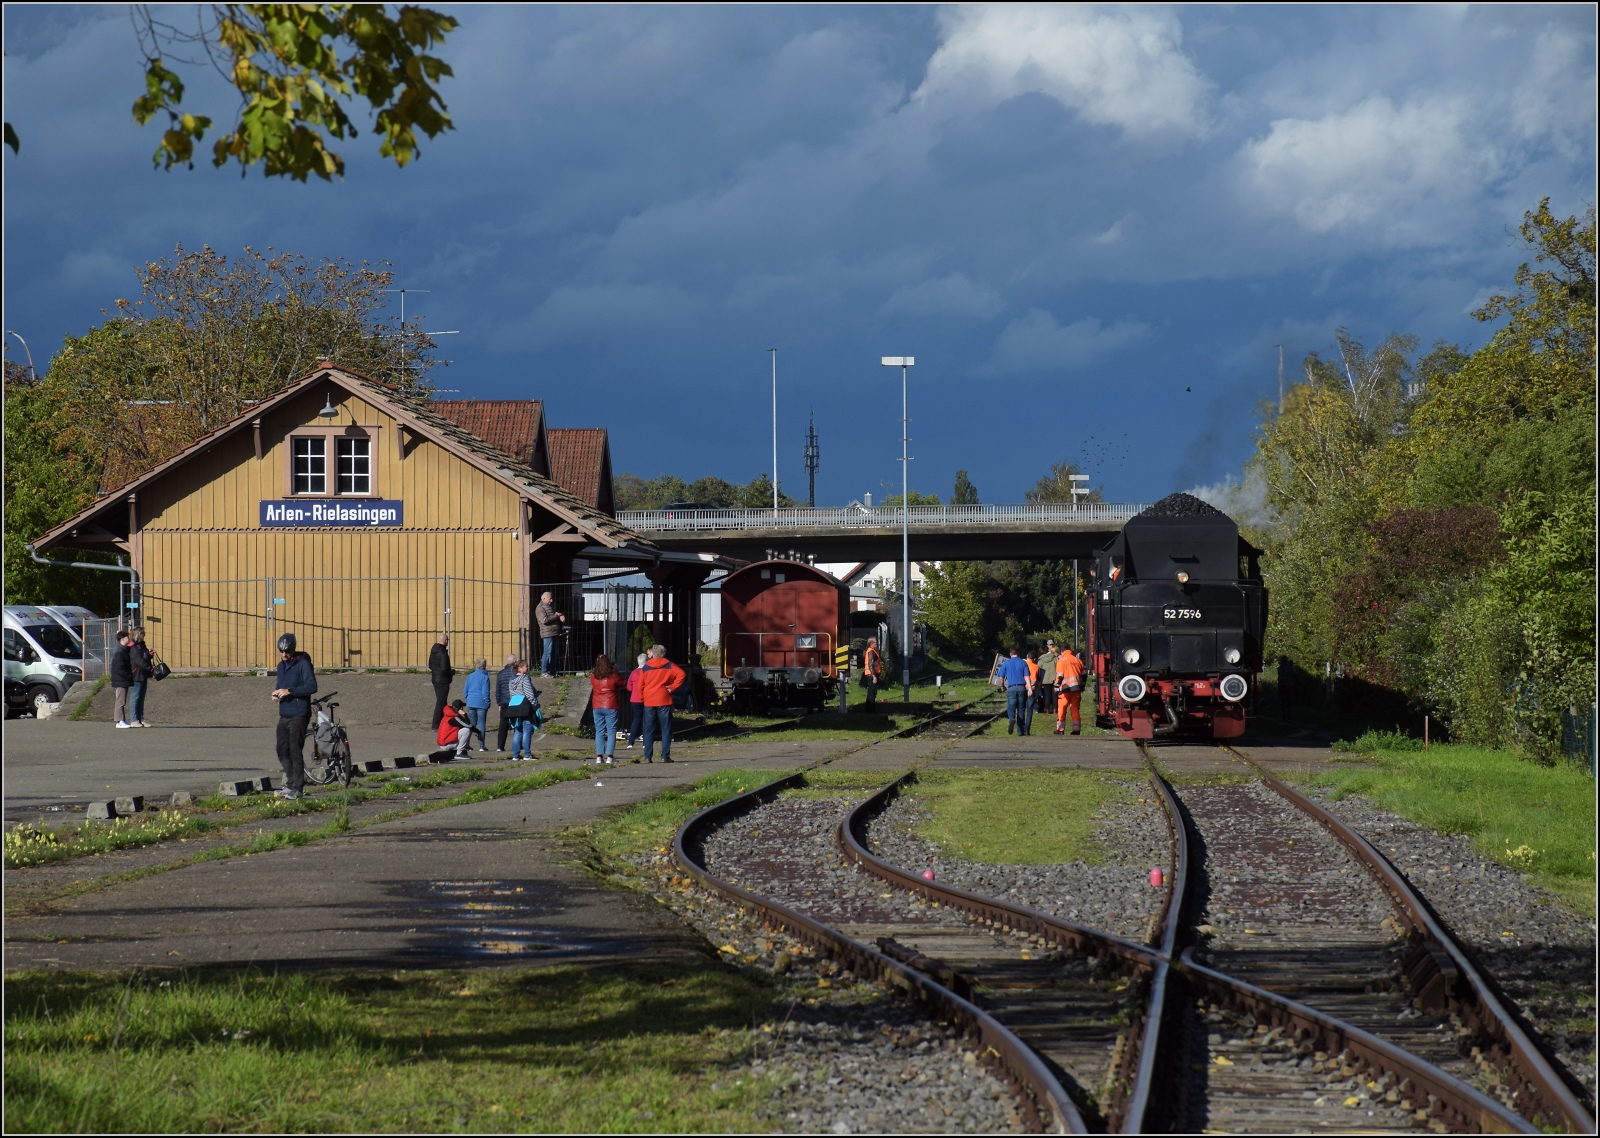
x,y
1069,690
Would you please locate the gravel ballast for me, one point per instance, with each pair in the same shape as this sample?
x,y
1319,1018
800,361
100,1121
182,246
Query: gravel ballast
x,y
1114,897
848,1057
1541,953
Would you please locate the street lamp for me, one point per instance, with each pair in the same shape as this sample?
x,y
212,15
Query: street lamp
x,y
905,364
774,352
31,373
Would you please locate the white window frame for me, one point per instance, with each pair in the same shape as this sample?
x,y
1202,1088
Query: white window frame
x,y
352,442
295,457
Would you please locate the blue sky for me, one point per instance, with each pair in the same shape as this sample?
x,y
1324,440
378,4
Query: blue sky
x,y
1089,225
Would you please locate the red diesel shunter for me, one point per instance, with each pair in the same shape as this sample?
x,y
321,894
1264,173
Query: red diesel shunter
x,y
781,623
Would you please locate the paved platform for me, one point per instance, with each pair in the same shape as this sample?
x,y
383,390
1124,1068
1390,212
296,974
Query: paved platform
x,y
485,884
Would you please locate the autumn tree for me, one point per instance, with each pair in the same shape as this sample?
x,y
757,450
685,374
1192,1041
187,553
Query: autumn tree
x,y
205,337
296,68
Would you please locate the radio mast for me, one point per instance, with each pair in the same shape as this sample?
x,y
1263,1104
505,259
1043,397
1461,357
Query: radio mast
x,y
813,459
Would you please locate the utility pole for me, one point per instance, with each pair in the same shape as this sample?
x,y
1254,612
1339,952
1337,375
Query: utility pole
x,y
904,363
813,460
1280,379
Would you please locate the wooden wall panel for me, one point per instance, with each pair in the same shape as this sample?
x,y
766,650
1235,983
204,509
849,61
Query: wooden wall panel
x,y
370,597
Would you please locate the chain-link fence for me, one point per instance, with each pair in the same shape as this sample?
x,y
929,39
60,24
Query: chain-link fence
x,y
231,625
1578,737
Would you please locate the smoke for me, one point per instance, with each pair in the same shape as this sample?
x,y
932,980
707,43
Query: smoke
x,y
1245,502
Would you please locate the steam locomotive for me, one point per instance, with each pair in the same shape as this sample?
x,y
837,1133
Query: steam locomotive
x,y
781,623
1177,611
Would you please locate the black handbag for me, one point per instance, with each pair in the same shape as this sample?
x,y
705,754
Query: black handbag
x,y
160,671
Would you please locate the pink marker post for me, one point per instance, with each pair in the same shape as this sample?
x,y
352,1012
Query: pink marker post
x,y
1156,878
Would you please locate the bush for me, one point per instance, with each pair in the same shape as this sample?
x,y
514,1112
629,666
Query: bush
x,y
1374,742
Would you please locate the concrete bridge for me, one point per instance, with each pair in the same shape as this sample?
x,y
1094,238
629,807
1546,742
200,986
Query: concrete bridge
x,y
856,533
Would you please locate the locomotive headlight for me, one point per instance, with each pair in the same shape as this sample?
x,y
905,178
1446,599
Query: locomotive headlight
x,y
1233,688
1183,577
741,675
1232,656
1131,688
1130,656
813,676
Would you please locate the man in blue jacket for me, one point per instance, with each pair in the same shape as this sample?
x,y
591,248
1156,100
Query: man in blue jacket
x,y
1019,690
296,684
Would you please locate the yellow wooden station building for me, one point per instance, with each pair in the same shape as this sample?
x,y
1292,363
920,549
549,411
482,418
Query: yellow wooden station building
x,y
364,520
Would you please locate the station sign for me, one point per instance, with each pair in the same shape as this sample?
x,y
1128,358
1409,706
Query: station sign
x,y
332,513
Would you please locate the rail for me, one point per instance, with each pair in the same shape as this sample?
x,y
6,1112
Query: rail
x,y
1454,980
1043,1098
1131,959
880,517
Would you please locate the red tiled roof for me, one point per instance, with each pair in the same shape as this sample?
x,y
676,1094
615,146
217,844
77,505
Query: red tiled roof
x,y
580,463
511,426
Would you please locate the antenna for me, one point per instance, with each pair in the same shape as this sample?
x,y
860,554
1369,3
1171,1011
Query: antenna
x,y
1280,378
813,459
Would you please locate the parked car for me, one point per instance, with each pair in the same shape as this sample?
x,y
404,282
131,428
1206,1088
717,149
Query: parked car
x,y
17,698
43,656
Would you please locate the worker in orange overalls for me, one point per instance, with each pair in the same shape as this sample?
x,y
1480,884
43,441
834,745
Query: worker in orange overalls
x,y
872,670
1032,660
1069,690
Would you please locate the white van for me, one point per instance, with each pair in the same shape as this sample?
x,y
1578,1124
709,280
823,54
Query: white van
x,y
70,616
41,654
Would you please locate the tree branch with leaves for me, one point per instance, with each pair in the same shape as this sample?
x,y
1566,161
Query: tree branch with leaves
x,y
296,66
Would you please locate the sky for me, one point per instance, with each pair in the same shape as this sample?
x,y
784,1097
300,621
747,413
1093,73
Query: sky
x,y
1089,225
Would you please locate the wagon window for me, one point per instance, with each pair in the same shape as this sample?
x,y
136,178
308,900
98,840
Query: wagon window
x,y
310,465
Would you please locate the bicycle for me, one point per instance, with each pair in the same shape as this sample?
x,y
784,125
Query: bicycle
x,y
330,760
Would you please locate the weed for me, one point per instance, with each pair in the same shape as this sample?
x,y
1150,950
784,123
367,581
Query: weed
x,y
1372,742
29,845
83,705
653,823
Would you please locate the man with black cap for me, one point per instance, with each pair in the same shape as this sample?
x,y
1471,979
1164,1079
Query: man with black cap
x,y
296,684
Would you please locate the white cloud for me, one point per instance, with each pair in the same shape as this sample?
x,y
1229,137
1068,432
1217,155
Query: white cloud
x,y
955,295
1375,164
1122,67
1036,342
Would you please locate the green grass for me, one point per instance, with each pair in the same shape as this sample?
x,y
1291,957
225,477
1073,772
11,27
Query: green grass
x,y
630,1048
1533,818
650,825
1043,816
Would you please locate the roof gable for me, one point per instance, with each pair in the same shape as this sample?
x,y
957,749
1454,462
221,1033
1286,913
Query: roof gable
x,y
511,426
580,460
412,413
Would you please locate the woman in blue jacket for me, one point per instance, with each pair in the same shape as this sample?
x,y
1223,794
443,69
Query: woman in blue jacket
x,y
476,692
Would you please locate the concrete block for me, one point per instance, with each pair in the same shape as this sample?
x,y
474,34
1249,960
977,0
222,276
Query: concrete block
x,y
235,789
370,766
423,760
130,804
102,810
263,784
46,711
404,762
182,798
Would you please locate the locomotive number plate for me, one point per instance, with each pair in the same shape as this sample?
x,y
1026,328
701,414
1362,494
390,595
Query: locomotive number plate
x,y
1180,614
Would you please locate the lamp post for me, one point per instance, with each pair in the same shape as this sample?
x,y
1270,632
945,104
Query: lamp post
x,y
905,364
31,373
774,352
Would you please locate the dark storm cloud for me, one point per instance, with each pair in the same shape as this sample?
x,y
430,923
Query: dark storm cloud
x,y
1067,214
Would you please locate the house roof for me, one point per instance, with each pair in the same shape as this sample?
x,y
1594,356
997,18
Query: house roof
x,y
580,460
415,414
511,426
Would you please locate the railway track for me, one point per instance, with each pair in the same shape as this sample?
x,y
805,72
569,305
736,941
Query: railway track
x,y
1290,899
773,854
1202,1027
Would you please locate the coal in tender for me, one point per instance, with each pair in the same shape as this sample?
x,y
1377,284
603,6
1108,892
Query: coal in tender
x,y
1180,506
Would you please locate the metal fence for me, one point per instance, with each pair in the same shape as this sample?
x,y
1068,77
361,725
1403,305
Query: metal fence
x,y
1578,737
231,625
881,517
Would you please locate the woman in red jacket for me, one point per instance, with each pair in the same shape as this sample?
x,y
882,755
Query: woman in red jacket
x,y
607,690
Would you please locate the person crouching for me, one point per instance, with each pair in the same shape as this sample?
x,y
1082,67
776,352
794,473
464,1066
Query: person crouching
x,y
455,729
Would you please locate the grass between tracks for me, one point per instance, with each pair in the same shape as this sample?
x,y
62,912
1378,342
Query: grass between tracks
x,y
630,1048
995,816
1540,820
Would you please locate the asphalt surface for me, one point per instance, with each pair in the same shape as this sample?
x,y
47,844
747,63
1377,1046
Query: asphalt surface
x,y
483,884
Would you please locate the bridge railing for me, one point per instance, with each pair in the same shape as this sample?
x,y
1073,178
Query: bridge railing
x,y
880,517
